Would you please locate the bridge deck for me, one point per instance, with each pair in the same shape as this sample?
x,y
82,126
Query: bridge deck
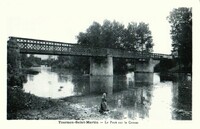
x,y
34,46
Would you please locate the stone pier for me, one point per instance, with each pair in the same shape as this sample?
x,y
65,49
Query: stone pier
x,y
103,68
144,69
145,65
143,78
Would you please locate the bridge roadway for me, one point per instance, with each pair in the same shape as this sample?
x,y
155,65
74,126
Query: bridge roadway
x,y
35,46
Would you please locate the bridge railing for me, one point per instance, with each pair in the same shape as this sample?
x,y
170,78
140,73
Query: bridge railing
x,y
27,45
160,56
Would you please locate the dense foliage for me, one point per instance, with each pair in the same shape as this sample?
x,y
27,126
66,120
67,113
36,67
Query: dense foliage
x,y
14,75
134,37
115,35
17,99
181,34
30,61
165,65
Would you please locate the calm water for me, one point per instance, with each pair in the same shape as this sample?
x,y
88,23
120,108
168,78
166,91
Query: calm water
x,y
134,96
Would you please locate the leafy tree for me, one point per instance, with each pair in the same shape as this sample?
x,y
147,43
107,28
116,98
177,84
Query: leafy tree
x,y
108,35
30,61
91,37
181,34
138,37
130,36
112,34
81,63
115,35
14,75
64,61
144,38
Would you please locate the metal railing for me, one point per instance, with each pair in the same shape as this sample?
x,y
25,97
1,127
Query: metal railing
x,y
35,46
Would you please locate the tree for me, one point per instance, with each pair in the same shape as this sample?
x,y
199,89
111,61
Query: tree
x,y
107,35
181,34
30,61
144,38
64,62
136,37
25,61
112,34
130,36
115,35
91,37
14,74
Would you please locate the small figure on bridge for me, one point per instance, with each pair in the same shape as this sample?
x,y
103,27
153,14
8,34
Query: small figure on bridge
x,y
103,106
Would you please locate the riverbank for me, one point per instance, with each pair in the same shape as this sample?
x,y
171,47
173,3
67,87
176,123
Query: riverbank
x,y
19,101
72,108
65,110
29,71
136,102
87,108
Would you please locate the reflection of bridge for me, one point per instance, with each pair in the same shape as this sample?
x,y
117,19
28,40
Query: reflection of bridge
x,y
34,46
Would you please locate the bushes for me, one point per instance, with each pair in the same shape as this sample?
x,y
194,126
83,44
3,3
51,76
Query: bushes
x,y
16,80
19,100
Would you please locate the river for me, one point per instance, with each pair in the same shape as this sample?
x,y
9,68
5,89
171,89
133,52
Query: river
x,y
134,95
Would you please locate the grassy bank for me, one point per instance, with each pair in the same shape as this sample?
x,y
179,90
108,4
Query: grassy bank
x,y
18,100
23,105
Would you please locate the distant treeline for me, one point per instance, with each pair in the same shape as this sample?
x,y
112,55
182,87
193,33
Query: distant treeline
x,y
82,64
30,61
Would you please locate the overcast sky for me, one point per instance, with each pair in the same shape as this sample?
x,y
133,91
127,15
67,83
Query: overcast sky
x,y
62,20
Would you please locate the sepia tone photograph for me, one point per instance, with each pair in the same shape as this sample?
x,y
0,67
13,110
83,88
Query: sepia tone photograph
x,y
102,61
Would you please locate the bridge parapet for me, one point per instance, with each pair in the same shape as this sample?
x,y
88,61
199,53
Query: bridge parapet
x,y
160,56
35,46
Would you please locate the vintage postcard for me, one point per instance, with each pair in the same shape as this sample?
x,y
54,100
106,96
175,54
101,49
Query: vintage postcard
x,y
98,63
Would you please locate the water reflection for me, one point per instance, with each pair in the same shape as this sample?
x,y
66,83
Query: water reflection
x,y
182,98
134,96
144,78
101,84
135,102
161,102
48,84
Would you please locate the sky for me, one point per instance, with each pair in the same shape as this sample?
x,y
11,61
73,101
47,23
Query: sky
x,y
62,20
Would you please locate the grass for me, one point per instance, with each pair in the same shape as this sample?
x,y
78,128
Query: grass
x,y
18,100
